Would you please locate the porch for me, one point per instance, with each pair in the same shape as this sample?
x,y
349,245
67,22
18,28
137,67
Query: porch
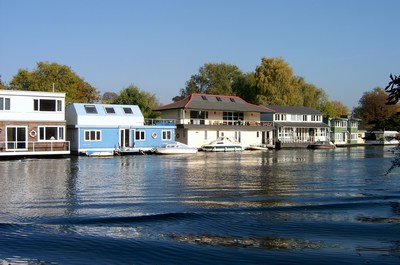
x,y
30,148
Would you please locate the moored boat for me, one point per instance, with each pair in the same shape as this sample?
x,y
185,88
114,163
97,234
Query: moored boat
x,y
175,148
223,144
322,145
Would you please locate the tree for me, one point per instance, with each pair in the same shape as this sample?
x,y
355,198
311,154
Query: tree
x,y
393,89
109,97
61,77
373,110
246,88
2,85
213,78
276,83
132,95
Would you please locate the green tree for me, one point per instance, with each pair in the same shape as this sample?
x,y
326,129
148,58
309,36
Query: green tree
x,y
132,95
213,78
2,85
61,77
276,83
245,87
373,110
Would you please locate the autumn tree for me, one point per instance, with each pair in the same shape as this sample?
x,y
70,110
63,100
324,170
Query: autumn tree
x,y
61,77
276,83
213,78
373,110
132,95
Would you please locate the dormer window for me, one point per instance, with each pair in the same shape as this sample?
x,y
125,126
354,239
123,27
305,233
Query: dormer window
x,y
110,110
128,110
90,109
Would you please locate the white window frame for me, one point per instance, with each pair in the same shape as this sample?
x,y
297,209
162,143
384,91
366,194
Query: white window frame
x,y
142,135
60,134
5,103
37,105
97,135
166,135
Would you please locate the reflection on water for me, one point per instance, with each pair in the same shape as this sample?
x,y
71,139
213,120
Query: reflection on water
x,y
168,207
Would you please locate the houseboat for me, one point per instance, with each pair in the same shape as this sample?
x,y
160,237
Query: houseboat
x,y
202,118
109,129
32,123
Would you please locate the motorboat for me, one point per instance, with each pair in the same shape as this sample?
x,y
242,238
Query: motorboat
x,y
173,148
322,145
223,144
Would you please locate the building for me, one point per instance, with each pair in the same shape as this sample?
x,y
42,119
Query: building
x,y
296,126
32,123
106,129
344,131
202,118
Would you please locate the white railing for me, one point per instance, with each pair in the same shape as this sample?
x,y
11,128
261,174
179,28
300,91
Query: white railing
x,y
24,146
220,122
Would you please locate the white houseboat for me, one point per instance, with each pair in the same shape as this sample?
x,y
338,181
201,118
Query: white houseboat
x,y
32,123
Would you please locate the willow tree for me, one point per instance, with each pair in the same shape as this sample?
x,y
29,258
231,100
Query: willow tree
x,y
60,78
276,83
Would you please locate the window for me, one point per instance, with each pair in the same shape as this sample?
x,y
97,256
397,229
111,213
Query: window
x,y
93,135
128,110
304,117
47,105
339,136
204,97
110,110
139,135
218,99
353,136
280,117
316,118
166,135
232,99
198,117
232,117
90,109
51,133
4,104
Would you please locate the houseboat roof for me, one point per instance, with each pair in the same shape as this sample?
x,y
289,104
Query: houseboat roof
x,y
214,102
32,93
90,114
294,110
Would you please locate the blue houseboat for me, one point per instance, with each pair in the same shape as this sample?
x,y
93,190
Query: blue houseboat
x,y
109,129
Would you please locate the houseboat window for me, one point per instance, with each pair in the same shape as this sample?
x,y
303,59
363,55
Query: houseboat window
x,y
139,135
92,135
166,135
204,97
4,104
232,99
47,105
90,109
128,111
219,99
110,110
198,117
48,133
304,117
232,118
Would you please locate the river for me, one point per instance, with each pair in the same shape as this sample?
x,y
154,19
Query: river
x,y
254,207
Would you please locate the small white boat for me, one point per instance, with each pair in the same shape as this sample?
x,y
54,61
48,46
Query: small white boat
x,y
175,148
223,144
322,145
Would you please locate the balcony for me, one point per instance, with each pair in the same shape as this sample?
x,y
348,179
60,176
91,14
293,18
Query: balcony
x,y
23,148
219,122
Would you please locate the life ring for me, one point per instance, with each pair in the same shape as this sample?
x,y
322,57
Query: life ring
x,y
32,133
177,136
154,135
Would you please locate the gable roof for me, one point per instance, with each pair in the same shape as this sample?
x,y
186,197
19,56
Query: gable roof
x,y
214,102
103,114
294,110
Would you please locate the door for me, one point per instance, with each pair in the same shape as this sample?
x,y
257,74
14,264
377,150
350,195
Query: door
x,y
16,138
124,140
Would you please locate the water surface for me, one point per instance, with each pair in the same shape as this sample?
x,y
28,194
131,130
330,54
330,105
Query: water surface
x,y
275,207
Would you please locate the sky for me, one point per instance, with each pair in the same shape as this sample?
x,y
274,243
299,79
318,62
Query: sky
x,y
345,47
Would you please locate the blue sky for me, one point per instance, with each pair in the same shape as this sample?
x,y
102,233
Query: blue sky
x,y
346,47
